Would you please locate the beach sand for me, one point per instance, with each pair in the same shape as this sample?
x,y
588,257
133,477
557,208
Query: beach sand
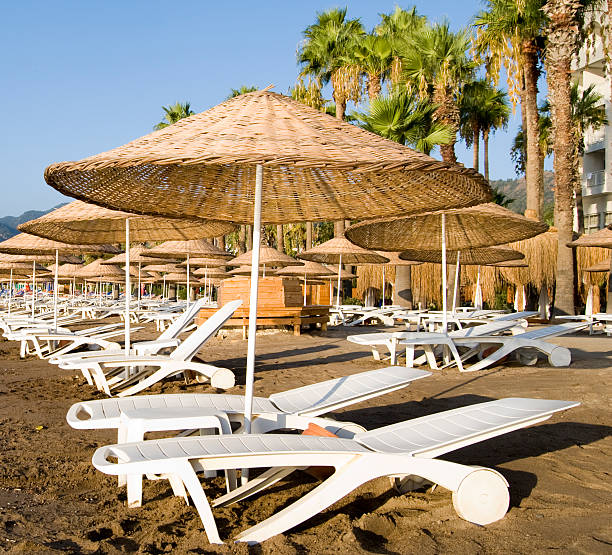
x,y
53,500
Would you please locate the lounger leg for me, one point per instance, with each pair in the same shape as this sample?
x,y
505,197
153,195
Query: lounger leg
x,y
350,476
431,357
409,356
189,478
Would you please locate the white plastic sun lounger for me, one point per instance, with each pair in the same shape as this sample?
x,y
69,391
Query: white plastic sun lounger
x,y
118,374
390,339
294,409
524,345
407,449
385,315
168,339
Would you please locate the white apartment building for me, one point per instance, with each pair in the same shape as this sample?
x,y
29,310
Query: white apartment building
x,y
597,160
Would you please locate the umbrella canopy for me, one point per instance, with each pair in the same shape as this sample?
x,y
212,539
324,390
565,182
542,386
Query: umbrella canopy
x,y
79,222
344,274
315,168
601,238
182,249
243,271
478,226
67,270
489,255
308,268
44,258
510,264
603,266
395,260
180,277
25,243
340,249
98,270
136,257
21,268
268,256
163,268
210,272
205,262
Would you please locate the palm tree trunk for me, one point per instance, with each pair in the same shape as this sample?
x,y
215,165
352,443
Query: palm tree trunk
x,y
221,242
562,35
339,228
476,147
447,112
308,235
533,178
402,287
242,239
249,237
579,212
373,85
340,109
280,238
485,140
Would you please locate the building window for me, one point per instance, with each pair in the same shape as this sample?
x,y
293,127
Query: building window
x,y
591,223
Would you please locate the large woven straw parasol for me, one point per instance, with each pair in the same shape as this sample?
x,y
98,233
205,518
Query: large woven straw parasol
x,y
309,268
243,271
79,222
601,238
475,257
98,270
136,257
603,266
268,257
210,272
163,268
510,264
340,250
265,157
205,262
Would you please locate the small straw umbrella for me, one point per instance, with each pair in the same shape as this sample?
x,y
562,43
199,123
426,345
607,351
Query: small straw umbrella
x,y
186,249
268,256
309,268
25,243
483,225
98,272
14,270
78,222
316,168
338,250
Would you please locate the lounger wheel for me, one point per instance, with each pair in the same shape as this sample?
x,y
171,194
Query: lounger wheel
x,y
560,356
223,379
482,497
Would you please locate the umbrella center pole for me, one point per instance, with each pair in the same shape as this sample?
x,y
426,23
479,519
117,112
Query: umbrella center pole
x,y
444,314
250,366
383,288
139,286
188,294
128,286
456,285
10,292
33,288
339,273
55,285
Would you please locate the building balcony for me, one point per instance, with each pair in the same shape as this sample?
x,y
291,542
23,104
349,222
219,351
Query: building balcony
x,y
594,140
596,184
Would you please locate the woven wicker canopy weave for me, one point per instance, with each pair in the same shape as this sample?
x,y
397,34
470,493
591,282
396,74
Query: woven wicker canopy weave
x,y
309,268
136,257
211,272
43,258
268,256
477,226
395,260
181,277
483,256
79,222
205,262
163,268
332,250
22,268
344,274
98,270
25,243
243,271
66,270
601,238
315,168
180,249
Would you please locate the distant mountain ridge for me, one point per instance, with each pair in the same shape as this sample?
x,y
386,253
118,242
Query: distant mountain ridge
x,y
8,224
515,189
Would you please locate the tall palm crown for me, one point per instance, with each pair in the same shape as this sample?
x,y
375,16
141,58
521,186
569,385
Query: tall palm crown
x,y
326,55
397,28
174,113
373,55
435,62
242,90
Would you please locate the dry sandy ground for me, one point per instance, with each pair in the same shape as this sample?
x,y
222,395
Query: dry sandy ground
x,y
53,500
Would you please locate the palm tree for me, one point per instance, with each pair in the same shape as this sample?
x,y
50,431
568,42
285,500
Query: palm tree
x,y
405,118
482,108
435,62
397,28
242,90
174,113
510,33
373,55
325,55
565,18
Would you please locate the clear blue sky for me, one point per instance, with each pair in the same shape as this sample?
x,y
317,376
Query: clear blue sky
x,y
81,77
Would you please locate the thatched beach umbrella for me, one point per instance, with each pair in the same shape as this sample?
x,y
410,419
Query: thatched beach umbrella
x,y
339,250
309,268
483,225
78,222
268,256
27,244
263,157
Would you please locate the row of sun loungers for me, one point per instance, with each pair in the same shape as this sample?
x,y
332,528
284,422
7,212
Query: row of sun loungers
x,y
406,451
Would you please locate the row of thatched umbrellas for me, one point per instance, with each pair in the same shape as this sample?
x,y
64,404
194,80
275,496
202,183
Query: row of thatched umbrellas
x,y
264,158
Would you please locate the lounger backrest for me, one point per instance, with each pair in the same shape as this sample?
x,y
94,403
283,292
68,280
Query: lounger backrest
x,y
440,433
322,397
552,331
188,348
483,329
516,315
175,329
